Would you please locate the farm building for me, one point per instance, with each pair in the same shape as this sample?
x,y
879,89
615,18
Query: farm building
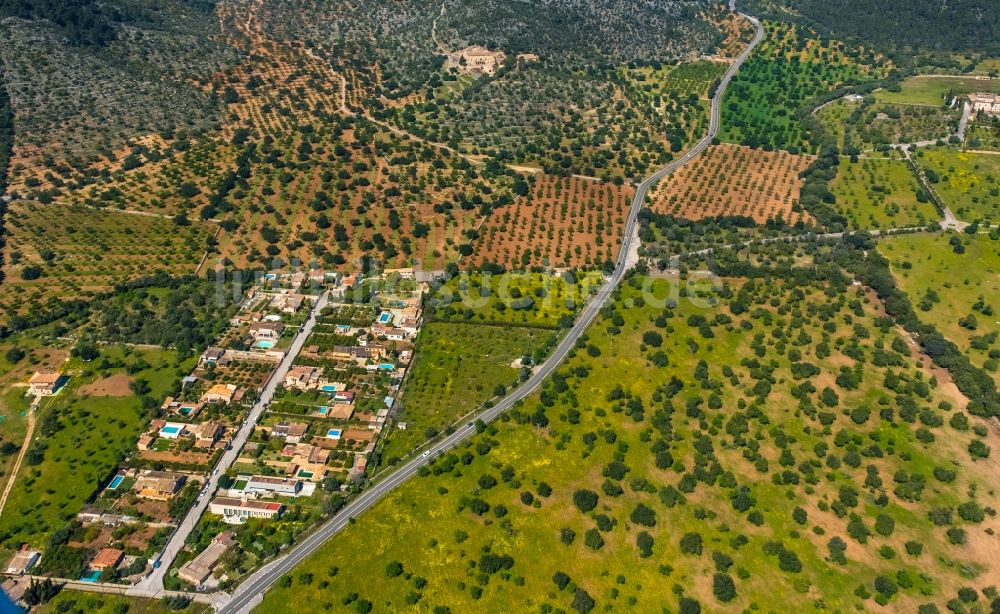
x,y
44,383
291,432
207,433
279,486
199,569
987,103
108,558
302,378
158,485
237,511
221,393
23,561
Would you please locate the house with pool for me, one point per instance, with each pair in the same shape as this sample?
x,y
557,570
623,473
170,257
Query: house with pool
x,y
303,378
267,331
158,485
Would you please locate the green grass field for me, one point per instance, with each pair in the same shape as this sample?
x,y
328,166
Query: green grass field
x,y
721,476
82,439
931,91
528,299
458,367
944,286
880,193
969,183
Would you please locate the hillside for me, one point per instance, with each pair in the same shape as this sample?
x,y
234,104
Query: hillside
x,y
962,25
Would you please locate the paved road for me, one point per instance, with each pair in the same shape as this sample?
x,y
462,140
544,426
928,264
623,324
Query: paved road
x,y
152,585
251,591
962,123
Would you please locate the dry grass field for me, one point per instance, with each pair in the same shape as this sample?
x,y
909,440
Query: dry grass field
x,y
734,180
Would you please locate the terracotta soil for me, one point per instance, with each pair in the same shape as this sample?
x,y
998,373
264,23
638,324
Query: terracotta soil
x,y
169,456
562,222
734,180
116,385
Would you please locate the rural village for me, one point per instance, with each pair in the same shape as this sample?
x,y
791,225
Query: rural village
x,y
313,438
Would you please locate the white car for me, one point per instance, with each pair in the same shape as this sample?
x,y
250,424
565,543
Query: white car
x,y
427,453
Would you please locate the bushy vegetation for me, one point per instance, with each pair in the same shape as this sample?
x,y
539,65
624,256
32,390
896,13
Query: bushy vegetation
x,y
919,24
790,449
787,72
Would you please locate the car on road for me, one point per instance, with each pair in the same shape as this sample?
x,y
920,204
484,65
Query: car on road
x,y
427,453
215,471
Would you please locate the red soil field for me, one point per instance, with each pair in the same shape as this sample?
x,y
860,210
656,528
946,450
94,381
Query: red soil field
x,y
562,222
734,180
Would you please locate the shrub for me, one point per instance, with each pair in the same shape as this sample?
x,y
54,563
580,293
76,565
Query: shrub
x,y
567,535
689,606
914,548
956,536
582,602
644,541
394,569
585,500
789,561
592,538
643,515
691,544
885,586
884,525
560,579
652,338
970,511
492,563
723,587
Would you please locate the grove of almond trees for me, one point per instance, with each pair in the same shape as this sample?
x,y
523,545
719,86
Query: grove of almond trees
x,y
735,180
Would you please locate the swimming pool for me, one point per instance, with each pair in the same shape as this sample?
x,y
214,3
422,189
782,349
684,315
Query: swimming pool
x,y
321,410
170,430
305,474
385,366
343,327
328,388
115,483
333,434
91,576
264,344
384,318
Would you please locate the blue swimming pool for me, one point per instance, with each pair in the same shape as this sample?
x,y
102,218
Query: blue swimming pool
x,y
264,344
91,576
115,483
333,434
321,410
385,366
385,317
170,430
328,388
343,327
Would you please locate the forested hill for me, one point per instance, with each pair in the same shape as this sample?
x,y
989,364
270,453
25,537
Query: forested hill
x,y
83,21
955,25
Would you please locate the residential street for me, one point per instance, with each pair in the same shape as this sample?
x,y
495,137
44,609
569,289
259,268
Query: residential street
x,y
152,585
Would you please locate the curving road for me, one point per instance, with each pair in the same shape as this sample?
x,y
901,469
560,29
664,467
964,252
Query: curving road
x,y
251,591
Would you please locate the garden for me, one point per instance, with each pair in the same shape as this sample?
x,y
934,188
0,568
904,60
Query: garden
x,y
458,368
